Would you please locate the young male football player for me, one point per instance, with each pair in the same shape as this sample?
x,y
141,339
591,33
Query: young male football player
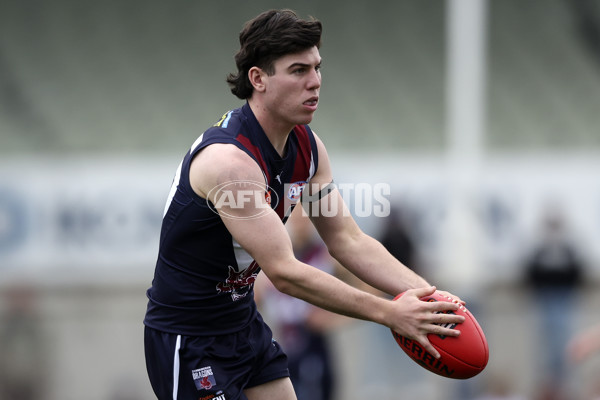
x,y
224,223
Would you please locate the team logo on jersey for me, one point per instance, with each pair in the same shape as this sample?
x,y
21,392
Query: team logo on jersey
x,y
204,378
239,283
295,190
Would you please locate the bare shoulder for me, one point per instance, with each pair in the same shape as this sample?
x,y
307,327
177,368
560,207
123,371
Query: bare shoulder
x,y
320,145
220,163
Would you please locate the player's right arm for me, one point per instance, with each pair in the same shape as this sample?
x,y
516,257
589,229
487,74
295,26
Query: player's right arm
x,y
266,240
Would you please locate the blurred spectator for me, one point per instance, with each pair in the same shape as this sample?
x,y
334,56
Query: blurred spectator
x,y
553,273
300,327
22,355
397,240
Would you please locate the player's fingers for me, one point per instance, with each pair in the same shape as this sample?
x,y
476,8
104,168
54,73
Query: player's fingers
x,y
422,292
428,346
452,298
443,319
441,306
443,330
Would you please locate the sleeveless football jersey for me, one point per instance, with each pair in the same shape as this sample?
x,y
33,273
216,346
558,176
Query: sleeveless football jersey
x,y
203,281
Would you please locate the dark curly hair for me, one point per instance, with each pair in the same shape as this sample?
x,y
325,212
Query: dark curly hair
x,y
264,39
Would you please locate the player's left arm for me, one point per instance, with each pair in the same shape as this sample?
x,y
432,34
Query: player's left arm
x,y
360,253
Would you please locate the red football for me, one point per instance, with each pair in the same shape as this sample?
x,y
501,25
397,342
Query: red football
x,y
462,357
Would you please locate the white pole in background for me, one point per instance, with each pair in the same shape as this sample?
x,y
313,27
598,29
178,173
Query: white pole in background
x,y
466,78
465,115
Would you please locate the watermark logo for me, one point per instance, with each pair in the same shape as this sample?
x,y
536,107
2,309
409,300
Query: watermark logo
x,y
242,194
359,200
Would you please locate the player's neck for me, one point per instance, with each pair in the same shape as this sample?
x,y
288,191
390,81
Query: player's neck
x,y
277,131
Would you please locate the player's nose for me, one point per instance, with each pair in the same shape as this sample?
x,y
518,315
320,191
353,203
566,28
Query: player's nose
x,y
314,80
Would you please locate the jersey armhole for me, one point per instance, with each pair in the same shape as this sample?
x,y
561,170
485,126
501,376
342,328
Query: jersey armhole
x,y
196,150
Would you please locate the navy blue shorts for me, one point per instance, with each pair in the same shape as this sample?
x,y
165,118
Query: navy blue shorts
x,y
213,367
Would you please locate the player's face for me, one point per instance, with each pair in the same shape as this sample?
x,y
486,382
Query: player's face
x,y
292,93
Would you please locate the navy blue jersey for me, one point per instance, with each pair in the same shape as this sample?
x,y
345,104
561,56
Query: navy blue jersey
x,y
203,281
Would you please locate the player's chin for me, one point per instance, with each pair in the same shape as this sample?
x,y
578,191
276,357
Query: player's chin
x,y
306,118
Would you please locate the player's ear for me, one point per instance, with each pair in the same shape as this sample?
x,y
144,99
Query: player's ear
x,y
257,78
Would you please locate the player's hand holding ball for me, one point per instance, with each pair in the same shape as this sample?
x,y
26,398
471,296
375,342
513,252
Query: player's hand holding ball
x,y
420,318
440,334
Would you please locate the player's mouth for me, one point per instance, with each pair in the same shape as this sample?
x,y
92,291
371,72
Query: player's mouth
x,y
312,103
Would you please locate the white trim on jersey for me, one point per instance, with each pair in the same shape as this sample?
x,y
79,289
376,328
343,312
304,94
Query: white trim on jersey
x,y
177,177
242,257
173,188
176,367
311,171
196,143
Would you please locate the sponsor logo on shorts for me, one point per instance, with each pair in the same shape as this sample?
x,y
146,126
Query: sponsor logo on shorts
x,y
218,396
204,378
